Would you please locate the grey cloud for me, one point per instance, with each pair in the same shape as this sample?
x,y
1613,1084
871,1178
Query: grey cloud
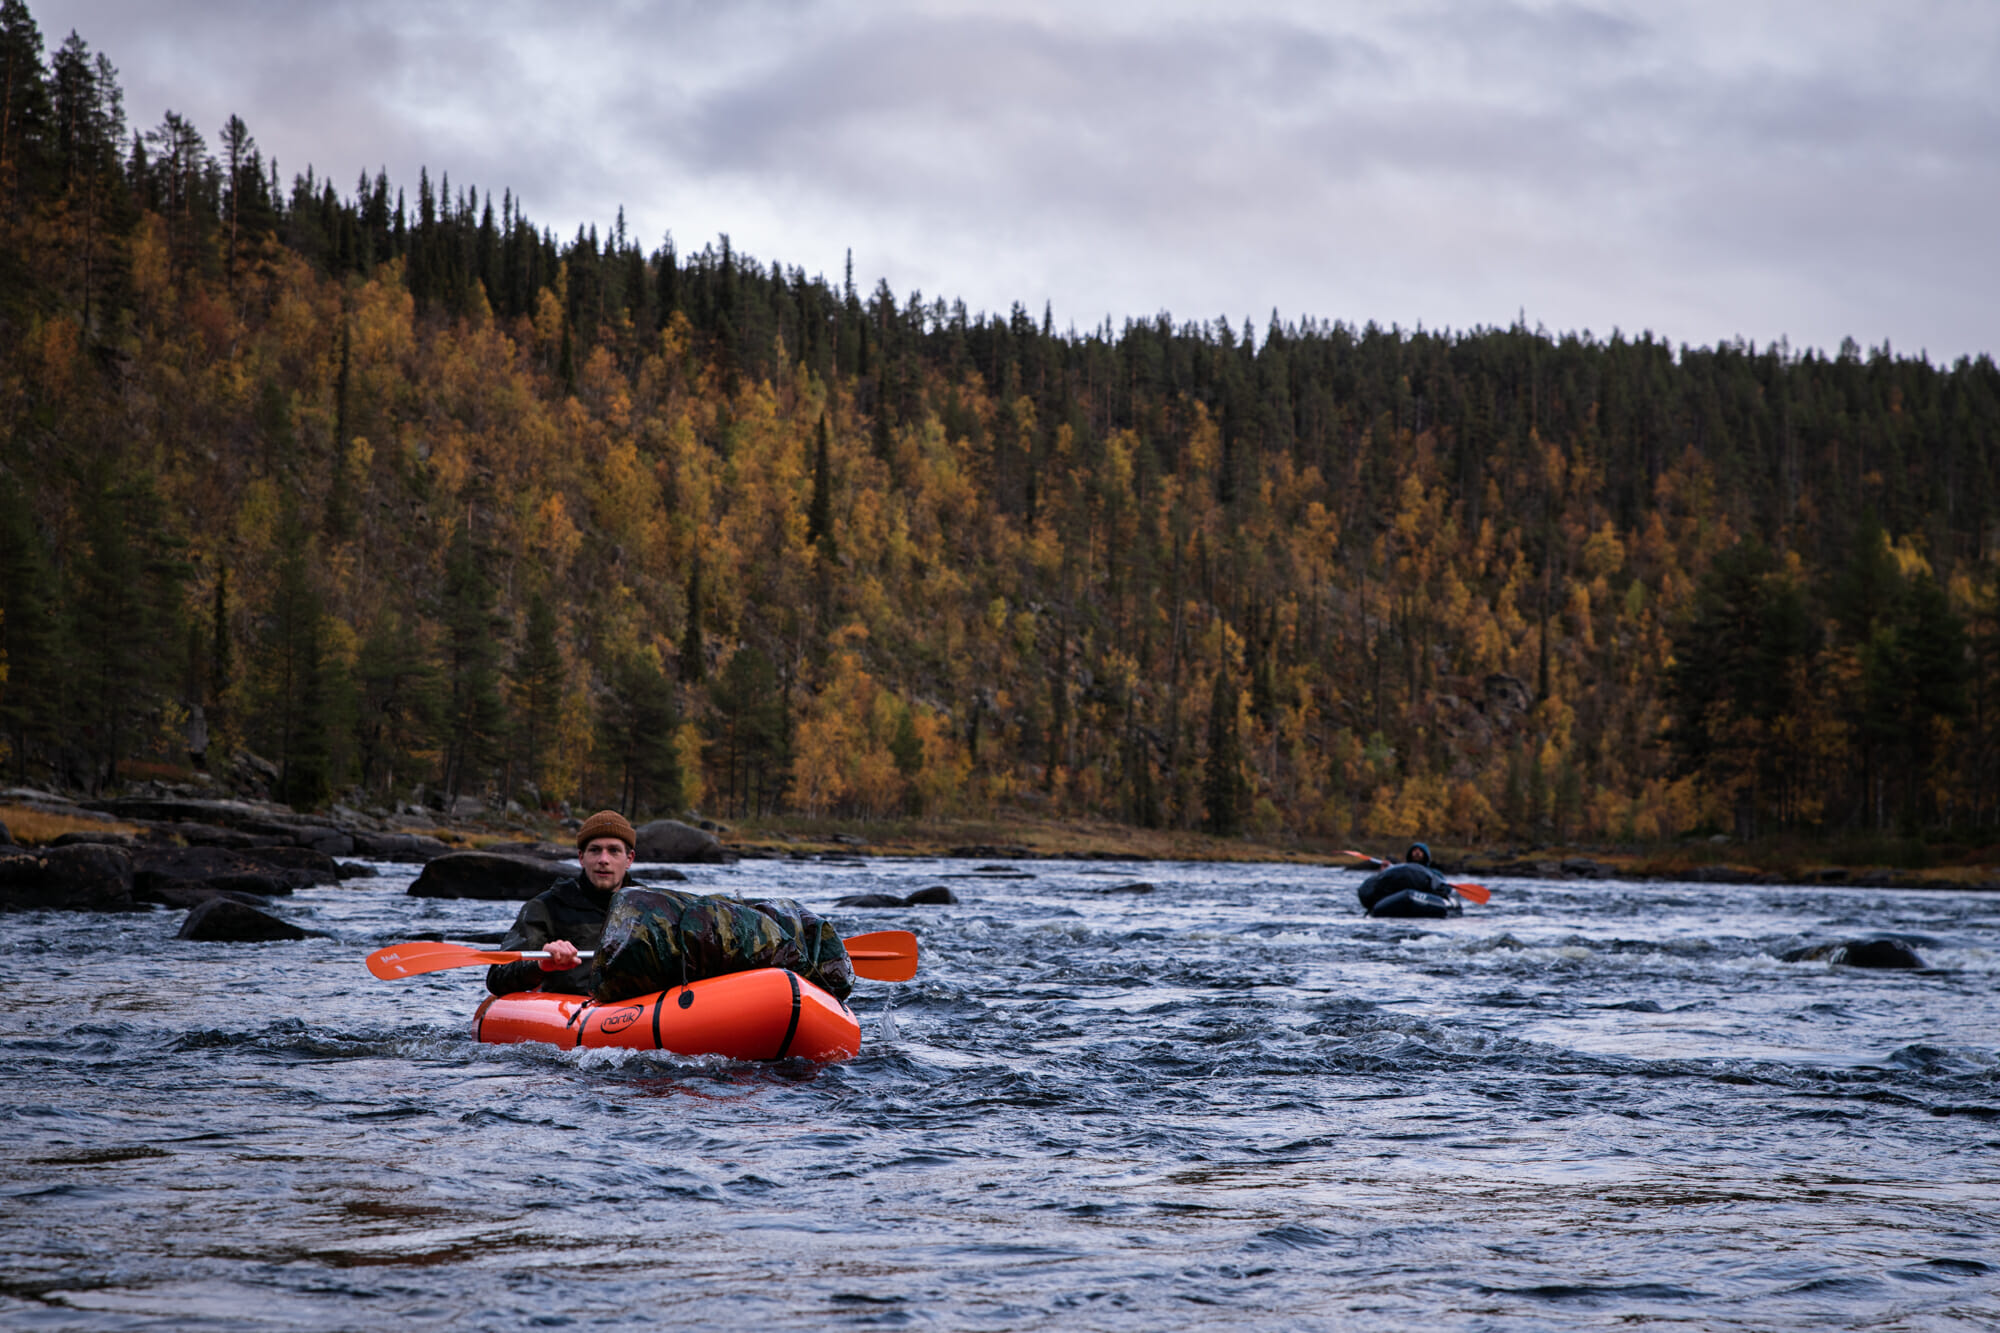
x,y
1708,169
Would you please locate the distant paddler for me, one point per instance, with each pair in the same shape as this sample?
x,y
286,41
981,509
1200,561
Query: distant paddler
x,y
1413,888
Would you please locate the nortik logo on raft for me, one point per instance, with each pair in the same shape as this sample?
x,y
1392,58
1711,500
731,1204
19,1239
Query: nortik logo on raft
x,y
624,1018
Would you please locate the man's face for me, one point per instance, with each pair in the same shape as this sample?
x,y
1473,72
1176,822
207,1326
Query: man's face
x,y
605,861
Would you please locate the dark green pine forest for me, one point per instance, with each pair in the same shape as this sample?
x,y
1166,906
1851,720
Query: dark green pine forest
x,y
369,491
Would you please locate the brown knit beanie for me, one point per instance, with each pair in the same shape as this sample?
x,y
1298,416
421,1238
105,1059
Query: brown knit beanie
x,y
606,824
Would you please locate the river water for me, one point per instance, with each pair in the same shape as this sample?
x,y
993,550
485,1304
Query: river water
x,y
1232,1101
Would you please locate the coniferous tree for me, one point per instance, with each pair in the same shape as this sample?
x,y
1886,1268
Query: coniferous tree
x,y
747,731
221,654
1222,790
538,679
819,515
637,722
693,655
475,718
399,701
30,695
1734,673
125,606
340,517
290,718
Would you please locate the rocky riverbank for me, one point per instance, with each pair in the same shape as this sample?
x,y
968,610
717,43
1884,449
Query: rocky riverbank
x,y
135,851
161,847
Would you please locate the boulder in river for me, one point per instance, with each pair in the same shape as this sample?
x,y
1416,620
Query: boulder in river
x,y
229,921
1136,886
672,841
191,893
1880,953
404,848
319,864
486,875
85,878
163,874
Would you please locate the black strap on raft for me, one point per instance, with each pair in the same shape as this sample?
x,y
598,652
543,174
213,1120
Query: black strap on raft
x,y
793,1030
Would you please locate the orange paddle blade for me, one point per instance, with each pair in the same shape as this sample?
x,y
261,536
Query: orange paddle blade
x,y
1479,893
883,955
421,956
1371,860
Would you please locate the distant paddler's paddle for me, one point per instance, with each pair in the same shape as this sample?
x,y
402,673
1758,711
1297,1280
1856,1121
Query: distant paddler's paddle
x,y
882,955
1477,893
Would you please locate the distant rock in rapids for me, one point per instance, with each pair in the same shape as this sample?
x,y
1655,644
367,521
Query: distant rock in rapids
x,y
934,896
225,920
671,841
404,848
487,875
1136,886
82,878
1859,953
171,876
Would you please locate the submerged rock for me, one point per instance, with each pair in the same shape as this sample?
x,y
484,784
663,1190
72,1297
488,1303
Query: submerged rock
x,y
84,878
1136,886
486,875
228,921
1880,953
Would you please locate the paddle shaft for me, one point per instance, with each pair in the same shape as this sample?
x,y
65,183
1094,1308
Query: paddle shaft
x,y
882,955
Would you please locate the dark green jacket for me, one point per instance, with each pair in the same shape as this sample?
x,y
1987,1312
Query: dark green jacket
x,y
573,910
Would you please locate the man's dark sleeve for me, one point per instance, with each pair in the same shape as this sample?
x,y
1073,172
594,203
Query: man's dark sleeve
x,y
533,929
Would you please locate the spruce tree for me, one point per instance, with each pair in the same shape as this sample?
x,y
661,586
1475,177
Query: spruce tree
x,y
747,728
399,703
636,725
1222,788
819,515
475,717
538,679
693,656
125,608
290,720
30,696
339,492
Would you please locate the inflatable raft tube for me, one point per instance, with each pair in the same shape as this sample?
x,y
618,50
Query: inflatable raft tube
x,y
1408,891
766,1014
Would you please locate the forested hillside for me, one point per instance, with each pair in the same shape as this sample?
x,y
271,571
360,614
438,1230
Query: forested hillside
x,y
364,495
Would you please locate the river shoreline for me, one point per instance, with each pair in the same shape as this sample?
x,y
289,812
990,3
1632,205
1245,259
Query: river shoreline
x,y
38,818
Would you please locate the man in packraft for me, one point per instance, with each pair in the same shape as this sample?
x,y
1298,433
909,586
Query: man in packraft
x,y
568,918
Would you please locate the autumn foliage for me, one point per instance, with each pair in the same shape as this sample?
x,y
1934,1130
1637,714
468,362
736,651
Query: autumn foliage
x,y
413,498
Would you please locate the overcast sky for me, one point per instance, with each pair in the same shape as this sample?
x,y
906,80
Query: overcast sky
x,y
1707,171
